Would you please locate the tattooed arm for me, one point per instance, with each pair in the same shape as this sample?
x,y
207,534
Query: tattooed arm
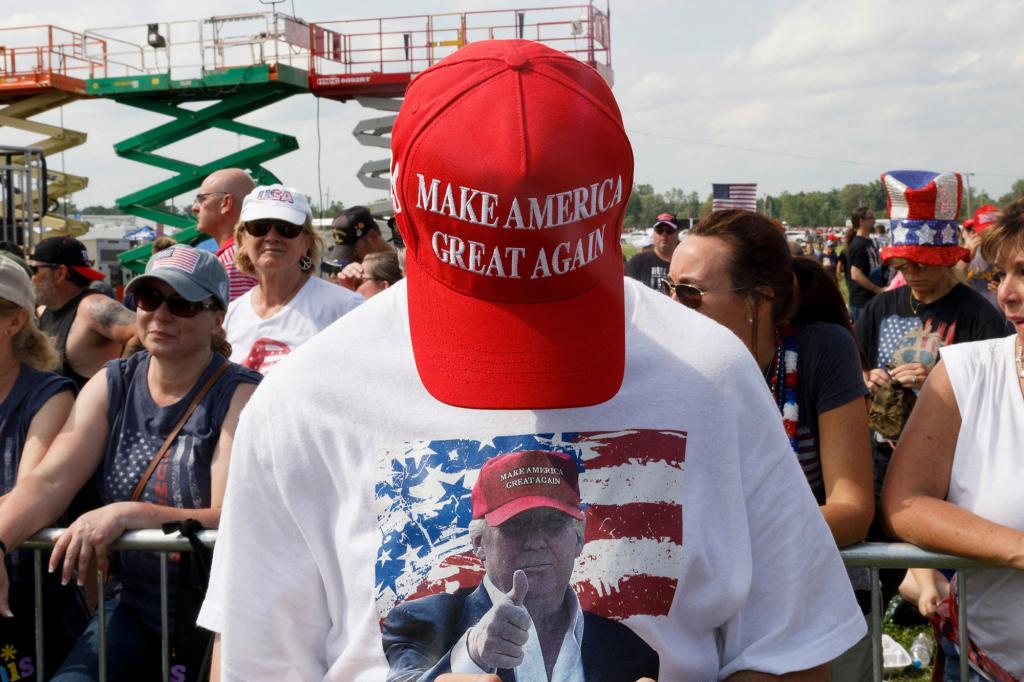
x,y
110,319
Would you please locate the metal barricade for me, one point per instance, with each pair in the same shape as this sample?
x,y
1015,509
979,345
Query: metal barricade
x,y
137,540
871,555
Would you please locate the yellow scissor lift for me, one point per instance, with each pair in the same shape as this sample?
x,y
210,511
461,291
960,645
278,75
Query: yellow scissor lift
x,y
239,63
42,68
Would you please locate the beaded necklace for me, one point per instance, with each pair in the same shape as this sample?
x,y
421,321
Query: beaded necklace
x,y
782,378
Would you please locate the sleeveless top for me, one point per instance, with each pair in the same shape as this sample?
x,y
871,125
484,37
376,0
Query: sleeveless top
x,y
30,392
57,324
138,427
985,479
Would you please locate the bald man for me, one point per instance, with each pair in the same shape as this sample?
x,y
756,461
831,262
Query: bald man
x,y
217,207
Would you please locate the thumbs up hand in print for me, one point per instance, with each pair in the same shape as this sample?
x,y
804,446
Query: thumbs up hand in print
x,y
497,640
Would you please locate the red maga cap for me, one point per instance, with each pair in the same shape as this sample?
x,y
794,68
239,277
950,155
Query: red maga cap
x,y
510,177
513,483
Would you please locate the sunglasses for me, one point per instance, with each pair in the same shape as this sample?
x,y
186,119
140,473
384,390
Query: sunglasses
x,y
284,230
36,268
664,229
687,294
201,197
149,299
904,265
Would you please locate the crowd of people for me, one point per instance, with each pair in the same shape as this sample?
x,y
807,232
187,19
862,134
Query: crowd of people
x,y
885,344
508,493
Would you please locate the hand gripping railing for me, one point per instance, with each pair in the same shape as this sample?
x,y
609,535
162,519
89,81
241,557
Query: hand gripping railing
x,y
151,540
871,555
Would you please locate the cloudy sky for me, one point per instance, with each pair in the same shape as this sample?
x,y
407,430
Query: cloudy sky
x,y
794,95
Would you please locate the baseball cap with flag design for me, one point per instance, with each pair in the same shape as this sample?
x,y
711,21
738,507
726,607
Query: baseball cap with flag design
x,y
510,176
194,273
923,210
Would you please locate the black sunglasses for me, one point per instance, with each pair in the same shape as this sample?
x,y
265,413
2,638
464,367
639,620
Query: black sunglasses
x,y
687,294
285,230
36,268
149,299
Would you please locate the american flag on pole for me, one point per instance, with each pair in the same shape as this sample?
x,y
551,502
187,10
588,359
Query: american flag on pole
x,y
741,195
629,488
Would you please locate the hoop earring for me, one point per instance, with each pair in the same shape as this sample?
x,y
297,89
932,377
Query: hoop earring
x,y
306,263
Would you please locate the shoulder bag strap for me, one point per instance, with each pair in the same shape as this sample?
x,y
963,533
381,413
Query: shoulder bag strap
x,y
174,432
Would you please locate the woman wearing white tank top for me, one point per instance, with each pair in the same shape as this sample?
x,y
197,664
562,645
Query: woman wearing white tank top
x,y
954,482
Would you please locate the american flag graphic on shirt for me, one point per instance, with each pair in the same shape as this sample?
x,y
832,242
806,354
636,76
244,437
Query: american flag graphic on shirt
x,y
630,484
735,195
176,257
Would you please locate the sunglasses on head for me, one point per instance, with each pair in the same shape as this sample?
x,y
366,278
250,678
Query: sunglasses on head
x,y
149,299
688,294
284,230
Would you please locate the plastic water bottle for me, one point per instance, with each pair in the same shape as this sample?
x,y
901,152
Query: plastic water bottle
x,y
921,650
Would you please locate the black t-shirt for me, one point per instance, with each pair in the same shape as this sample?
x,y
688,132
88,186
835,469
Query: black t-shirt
x,y
961,315
861,254
828,376
648,268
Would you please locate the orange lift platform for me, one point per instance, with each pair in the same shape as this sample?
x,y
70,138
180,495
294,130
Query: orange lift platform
x,y
42,68
374,60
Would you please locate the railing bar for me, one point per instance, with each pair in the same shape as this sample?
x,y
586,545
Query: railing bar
x,y
101,611
37,585
165,645
961,607
876,627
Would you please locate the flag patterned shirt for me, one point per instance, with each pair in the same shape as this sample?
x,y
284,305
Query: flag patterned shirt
x,y
238,281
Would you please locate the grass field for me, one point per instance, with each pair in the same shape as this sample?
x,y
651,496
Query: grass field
x,y
905,636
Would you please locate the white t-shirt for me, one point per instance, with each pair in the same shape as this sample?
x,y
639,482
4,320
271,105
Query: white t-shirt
x,y
985,479
703,538
260,344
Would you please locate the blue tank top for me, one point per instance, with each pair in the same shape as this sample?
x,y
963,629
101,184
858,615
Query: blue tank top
x,y
30,392
138,427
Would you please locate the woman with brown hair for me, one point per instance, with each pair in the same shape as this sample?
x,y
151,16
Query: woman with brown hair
x,y
954,481
277,243
155,430
736,268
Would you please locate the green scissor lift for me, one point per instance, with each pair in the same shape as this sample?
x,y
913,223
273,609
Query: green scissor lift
x,y
234,92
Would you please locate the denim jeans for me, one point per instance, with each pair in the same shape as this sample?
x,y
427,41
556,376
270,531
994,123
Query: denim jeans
x,y
133,649
952,671
855,313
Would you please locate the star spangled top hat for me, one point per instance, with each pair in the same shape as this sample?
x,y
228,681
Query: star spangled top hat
x,y
923,208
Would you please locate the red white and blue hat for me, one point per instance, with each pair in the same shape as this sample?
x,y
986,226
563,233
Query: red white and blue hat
x,y
923,210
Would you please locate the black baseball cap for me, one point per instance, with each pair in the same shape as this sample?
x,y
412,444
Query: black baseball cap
x,y
66,251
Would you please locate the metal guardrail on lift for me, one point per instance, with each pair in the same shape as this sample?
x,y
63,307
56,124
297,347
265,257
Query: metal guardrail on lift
x,y
42,68
43,56
379,57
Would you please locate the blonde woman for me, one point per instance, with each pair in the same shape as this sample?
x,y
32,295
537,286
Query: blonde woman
x,y
34,402
277,243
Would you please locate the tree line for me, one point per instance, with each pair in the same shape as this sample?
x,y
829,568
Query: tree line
x,y
804,209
